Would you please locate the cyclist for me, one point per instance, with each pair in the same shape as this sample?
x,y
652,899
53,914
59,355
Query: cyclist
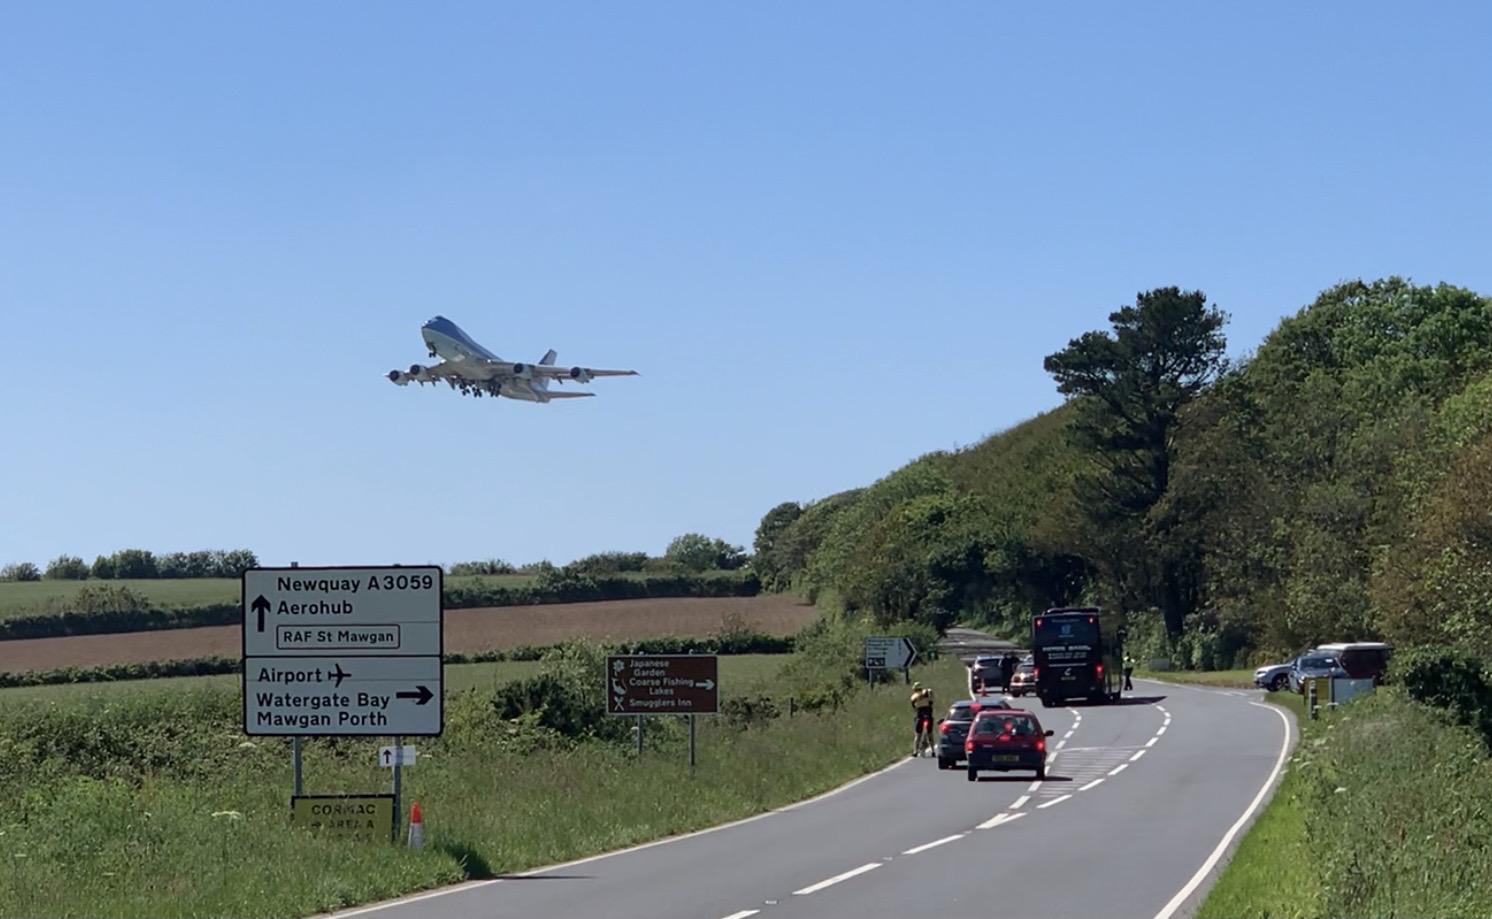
x,y
922,706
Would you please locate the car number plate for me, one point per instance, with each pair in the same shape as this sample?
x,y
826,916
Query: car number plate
x,y
1005,758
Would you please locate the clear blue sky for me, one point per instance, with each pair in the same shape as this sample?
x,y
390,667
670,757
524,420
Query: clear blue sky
x,y
831,236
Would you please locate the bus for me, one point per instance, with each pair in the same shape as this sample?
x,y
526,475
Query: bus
x,y
1078,654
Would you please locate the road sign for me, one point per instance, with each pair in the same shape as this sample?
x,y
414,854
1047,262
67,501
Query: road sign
x,y
883,653
662,684
365,817
396,756
343,651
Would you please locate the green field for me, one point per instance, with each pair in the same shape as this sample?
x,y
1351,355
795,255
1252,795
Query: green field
x,y
736,671
19,598
148,805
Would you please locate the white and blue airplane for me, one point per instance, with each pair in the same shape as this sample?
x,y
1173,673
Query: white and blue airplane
x,y
471,368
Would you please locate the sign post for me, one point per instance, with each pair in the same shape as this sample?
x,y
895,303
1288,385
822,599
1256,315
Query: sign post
x,y
663,684
344,652
889,653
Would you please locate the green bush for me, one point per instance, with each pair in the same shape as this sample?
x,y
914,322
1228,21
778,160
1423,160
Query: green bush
x,y
67,568
1450,679
747,711
20,571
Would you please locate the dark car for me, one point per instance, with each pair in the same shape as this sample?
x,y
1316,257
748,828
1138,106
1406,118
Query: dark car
x,y
985,673
1006,740
954,729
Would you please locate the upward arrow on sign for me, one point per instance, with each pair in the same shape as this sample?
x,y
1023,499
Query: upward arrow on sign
x,y
260,606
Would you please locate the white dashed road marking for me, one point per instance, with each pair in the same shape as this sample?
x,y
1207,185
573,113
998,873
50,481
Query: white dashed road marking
x,y
1019,801
743,914
1137,756
998,819
1119,768
1053,801
815,888
934,844
1091,784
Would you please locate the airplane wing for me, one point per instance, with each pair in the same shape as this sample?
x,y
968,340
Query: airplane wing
x,y
567,395
583,374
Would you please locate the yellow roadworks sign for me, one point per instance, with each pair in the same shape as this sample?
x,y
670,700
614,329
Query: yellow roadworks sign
x,y
366,817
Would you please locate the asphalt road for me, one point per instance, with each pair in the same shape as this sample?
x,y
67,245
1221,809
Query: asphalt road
x,y
1130,822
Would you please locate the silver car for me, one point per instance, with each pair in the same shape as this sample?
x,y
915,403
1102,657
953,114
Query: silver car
x,y
1314,664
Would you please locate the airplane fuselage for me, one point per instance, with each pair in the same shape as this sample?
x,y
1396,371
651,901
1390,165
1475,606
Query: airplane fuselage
x,y
446,340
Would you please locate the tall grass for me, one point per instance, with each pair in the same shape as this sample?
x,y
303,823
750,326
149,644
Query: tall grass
x,y
156,805
1386,811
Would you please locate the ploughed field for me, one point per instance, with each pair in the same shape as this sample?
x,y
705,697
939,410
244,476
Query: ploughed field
x,y
466,630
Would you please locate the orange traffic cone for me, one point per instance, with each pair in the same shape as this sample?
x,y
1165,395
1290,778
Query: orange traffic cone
x,y
416,828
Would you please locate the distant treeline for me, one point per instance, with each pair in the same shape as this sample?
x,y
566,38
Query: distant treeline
x,y
736,643
1333,485
686,552
116,608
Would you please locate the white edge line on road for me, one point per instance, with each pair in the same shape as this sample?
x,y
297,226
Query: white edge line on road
x,y
473,885
1137,756
1019,801
1191,886
1091,784
930,845
1151,741
830,882
743,914
1053,801
1119,768
1059,746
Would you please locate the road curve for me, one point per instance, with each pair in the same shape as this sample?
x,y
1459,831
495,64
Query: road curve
x,y
1132,821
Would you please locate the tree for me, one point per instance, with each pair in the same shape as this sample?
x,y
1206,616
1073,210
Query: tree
x,y
768,566
135,563
67,568
1130,388
698,552
20,571
234,563
103,568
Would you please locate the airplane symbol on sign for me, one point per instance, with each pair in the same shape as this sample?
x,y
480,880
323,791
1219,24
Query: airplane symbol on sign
x,y
339,674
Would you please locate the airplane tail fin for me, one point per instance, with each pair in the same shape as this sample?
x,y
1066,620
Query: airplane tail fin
x,y
549,358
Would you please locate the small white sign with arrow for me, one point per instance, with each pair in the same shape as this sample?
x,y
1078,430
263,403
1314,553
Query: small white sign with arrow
x,y
396,756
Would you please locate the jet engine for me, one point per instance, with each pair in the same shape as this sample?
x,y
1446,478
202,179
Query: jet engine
x,y
523,371
417,373
398,377
580,375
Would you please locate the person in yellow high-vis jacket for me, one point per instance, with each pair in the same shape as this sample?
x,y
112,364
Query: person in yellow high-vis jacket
x,y
922,707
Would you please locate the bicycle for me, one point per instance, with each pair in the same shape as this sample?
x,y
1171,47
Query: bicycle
x,y
924,740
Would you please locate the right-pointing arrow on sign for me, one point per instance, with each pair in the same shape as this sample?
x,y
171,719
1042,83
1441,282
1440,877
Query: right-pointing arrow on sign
x,y
421,696
706,684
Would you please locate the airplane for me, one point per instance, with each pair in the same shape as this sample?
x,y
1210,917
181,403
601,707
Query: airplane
x,y
471,368
340,675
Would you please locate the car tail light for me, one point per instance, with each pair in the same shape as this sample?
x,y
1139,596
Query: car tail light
x,y
943,728
1098,668
969,746
1041,745
1035,672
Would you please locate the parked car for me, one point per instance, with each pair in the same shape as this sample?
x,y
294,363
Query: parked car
x,y
953,730
1361,659
1314,664
1024,680
1275,677
984,673
1002,741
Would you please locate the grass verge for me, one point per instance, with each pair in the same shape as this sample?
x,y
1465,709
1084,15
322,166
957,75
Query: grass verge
x,y
1383,813
156,805
1225,679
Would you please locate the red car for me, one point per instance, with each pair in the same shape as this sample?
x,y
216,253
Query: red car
x,y
1004,740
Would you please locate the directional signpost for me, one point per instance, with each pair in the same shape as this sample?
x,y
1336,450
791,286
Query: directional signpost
x,y
663,684
342,651
889,653
331,652
389,757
